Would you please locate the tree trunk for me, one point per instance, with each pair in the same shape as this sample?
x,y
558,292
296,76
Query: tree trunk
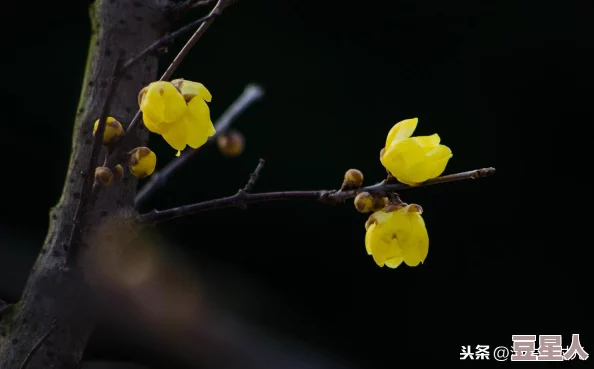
x,y
54,294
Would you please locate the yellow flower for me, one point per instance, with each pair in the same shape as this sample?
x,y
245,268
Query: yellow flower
x,y
413,160
113,130
142,162
179,114
396,236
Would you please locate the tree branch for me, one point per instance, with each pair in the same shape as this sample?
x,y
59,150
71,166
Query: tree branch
x,y
242,197
38,344
116,156
251,94
166,40
87,192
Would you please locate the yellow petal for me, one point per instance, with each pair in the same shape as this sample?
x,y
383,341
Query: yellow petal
x,y
401,130
200,127
177,135
383,242
417,245
163,102
427,141
399,158
432,166
368,238
153,126
394,263
191,89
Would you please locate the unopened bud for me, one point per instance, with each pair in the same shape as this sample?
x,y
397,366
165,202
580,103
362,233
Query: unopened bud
x,y
382,151
142,162
113,130
190,89
379,203
353,178
103,176
118,172
231,143
364,202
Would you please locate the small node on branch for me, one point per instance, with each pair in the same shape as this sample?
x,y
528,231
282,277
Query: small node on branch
x,y
364,202
231,143
353,178
103,176
142,162
113,131
118,172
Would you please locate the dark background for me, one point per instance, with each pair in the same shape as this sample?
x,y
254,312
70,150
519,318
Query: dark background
x,y
505,85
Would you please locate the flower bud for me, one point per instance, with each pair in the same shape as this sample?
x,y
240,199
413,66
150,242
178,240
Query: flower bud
x,y
113,130
364,202
118,172
103,176
379,203
353,178
142,162
231,143
190,89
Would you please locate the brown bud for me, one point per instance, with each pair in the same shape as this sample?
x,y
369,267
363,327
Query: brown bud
x,y
103,176
141,95
353,178
382,151
364,202
118,172
380,203
231,143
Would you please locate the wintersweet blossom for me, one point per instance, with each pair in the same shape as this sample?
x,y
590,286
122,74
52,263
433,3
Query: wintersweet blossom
x,y
413,160
177,110
396,234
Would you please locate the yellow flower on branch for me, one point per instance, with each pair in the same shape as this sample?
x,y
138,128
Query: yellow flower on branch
x,y
396,234
413,160
177,111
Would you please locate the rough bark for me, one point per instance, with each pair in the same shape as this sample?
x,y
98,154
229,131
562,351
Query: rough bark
x,y
53,293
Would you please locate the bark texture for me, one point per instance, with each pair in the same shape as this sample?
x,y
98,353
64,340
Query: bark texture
x,y
52,293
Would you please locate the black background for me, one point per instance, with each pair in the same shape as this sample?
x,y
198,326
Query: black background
x,y
505,84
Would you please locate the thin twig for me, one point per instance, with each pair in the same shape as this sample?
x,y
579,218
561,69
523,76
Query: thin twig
x,y
38,344
254,176
242,198
86,193
250,94
116,155
166,40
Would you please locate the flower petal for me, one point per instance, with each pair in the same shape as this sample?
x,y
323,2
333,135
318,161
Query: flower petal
x,y
152,125
163,102
417,245
200,127
394,263
177,135
427,141
401,130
